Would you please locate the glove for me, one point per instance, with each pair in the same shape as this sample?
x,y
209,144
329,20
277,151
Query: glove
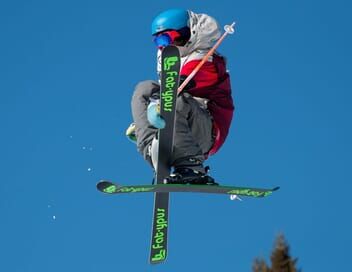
x,y
153,115
190,85
131,133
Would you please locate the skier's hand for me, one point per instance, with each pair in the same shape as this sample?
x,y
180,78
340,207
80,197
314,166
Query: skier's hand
x,y
190,85
131,133
153,115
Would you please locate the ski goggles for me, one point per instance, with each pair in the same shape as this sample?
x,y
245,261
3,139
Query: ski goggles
x,y
166,38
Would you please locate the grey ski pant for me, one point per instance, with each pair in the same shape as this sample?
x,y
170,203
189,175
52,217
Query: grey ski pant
x,y
193,129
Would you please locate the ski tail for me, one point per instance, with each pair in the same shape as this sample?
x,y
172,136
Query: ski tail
x,y
158,250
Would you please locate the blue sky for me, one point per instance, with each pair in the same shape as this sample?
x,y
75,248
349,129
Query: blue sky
x,y
67,72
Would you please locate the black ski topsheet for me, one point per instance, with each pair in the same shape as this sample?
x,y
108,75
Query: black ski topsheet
x,y
171,64
109,187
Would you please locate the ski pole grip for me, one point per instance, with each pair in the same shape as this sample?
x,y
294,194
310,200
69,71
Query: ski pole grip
x,y
229,29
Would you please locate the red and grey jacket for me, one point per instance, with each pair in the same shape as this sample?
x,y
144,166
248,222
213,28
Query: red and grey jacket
x,y
212,82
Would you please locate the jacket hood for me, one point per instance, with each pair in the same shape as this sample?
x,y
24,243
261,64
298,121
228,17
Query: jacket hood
x,y
205,32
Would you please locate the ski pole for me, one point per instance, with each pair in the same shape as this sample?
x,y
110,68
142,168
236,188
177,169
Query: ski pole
x,y
229,29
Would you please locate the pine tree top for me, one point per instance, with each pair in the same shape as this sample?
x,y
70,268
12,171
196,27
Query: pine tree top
x,y
281,260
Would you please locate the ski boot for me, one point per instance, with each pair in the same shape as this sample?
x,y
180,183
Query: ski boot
x,y
131,133
190,176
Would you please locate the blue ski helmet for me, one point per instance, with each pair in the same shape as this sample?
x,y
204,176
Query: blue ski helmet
x,y
170,19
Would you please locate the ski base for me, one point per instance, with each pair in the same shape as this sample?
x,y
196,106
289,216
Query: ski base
x,y
109,187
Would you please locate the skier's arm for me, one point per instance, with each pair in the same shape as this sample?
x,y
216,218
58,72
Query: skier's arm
x,y
190,85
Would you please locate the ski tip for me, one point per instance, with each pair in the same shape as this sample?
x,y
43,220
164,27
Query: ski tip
x,y
158,258
156,262
276,188
103,186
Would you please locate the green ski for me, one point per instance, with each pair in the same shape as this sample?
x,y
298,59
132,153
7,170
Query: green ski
x,y
170,75
113,188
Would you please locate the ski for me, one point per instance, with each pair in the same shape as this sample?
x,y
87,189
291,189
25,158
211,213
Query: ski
x,y
170,69
109,187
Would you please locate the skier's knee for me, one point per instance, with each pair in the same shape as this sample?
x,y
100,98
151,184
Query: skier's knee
x,y
146,88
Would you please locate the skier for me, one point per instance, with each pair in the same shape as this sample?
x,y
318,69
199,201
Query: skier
x,y
205,108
